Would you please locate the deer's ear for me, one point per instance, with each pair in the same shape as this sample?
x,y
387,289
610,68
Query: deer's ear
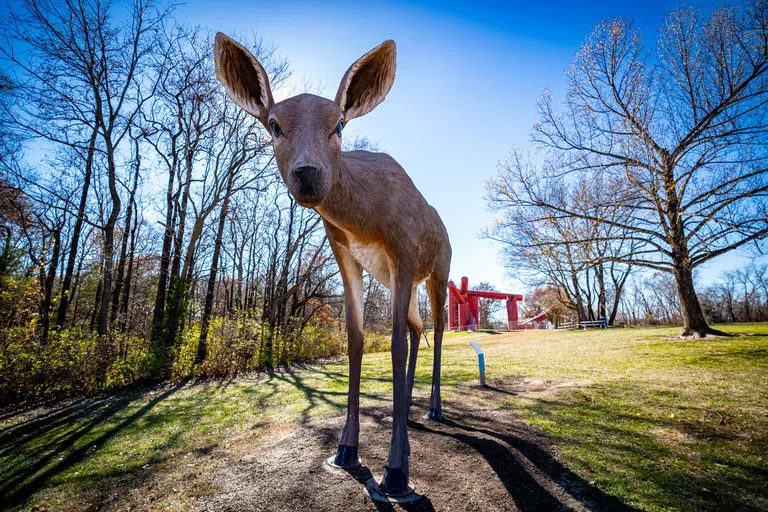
x,y
367,82
243,77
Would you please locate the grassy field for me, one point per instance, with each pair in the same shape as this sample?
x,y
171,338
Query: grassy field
x,y
659,423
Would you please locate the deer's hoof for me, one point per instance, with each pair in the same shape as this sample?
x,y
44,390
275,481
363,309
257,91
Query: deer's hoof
x,y
435,414
346,457
395,483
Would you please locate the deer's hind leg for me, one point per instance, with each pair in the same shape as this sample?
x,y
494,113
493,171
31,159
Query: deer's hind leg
x,y
437,290
415,328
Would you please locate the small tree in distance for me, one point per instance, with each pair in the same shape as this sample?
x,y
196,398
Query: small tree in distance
x,y
486,308
546,299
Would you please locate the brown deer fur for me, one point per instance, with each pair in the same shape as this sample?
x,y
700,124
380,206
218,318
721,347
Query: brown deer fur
x,y
375,218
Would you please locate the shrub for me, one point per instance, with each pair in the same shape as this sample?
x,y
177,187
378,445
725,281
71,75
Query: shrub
x,y
233,346
376,342
19,299
78,362
238,345
135,362
184,357
319,341
73,362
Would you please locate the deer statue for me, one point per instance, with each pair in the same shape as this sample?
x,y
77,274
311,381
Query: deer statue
x,y
375,219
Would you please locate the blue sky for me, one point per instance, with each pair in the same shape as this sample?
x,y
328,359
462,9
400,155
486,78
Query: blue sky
x,y
468,77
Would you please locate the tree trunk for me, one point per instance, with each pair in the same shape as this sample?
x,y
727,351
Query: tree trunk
x,y
694,323
116,296
176,294
618,286
76,291
6,258
124,303
96,302
48,286
601,295
208,308
579,302
67,282
165,261
179,239
731,311
109,243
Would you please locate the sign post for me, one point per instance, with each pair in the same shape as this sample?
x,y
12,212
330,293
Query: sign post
x,y
480,362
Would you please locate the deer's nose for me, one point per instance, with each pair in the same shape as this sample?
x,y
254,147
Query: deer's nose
x,y
307,177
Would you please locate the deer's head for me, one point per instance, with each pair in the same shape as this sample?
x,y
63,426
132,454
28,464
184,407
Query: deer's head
x,y
306,129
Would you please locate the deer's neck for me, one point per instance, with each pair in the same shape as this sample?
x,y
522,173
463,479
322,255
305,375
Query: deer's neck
x,y
343,206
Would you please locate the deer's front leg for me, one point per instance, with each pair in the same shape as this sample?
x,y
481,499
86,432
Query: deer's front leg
x,y
395,479
352,276
416,328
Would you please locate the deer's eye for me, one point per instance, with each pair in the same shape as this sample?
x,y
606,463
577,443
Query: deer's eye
x,y
275,128
338,128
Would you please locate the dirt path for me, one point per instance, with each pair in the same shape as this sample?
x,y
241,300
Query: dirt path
x,y
474,460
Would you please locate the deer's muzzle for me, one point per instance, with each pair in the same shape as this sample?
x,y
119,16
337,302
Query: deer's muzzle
x,y
307,177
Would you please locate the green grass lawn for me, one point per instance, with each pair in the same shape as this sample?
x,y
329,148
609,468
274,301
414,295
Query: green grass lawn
x,y
661,423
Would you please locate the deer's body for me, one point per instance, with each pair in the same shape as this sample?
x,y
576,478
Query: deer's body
x,y
376,213
375,218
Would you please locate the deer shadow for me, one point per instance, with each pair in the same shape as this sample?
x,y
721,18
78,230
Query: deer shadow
x,y
511,455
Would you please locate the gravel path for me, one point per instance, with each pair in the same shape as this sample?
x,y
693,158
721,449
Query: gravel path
x,y
474,460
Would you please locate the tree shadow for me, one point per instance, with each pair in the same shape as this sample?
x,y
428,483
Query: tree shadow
x,y
37,462
314,396
702,459
509,456
500,390
12,411
725,358
51,419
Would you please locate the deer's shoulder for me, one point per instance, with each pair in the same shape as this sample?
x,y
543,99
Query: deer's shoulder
x,y
371,161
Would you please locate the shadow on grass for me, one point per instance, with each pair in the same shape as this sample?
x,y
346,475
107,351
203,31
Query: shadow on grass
x,y
39,453
499,390
693,463
314,396
728,358
13,411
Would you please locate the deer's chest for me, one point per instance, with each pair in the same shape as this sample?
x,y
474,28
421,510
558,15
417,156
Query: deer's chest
x,y
374,259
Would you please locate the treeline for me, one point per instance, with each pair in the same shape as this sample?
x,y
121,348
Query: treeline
x,y
656,159
741,295
650,298
145,229
738,295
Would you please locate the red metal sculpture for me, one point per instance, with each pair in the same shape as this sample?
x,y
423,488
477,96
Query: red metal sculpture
x,y
463,306
534,323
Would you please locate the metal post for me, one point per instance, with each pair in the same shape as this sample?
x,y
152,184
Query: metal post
x,y
480,362
512,318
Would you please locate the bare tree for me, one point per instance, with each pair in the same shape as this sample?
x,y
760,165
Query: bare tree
x,y
48,53
740,295
85,81
684,127
581,257
486,308
239,162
